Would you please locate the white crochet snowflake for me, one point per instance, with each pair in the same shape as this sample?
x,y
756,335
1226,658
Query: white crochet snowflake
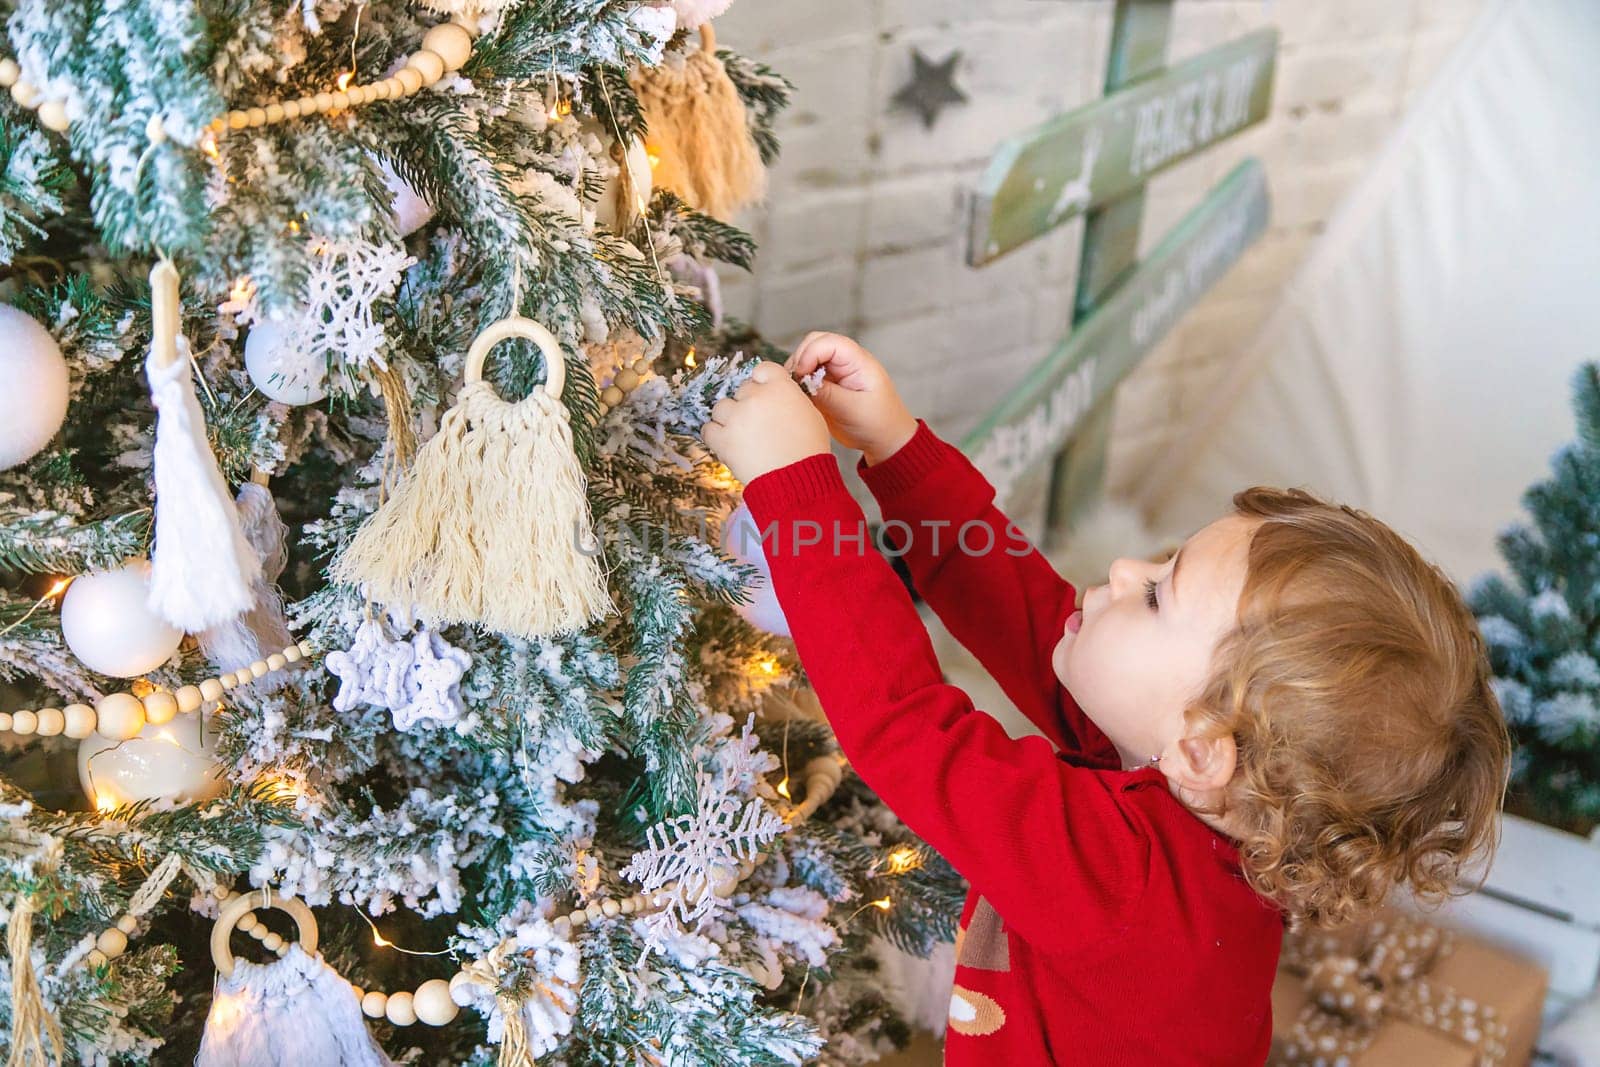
x,y
699,850
415,678
348,276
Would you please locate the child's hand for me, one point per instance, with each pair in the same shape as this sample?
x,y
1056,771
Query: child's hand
x,y
768,423
856,395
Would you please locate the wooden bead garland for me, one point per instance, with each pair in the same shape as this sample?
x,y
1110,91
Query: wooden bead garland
x,y
120,716
625,381
445,49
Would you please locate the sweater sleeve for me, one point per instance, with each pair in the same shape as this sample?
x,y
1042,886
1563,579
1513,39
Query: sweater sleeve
x,y
993,590
1052,846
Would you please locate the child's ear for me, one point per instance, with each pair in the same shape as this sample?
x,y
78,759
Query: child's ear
x,y
1208,762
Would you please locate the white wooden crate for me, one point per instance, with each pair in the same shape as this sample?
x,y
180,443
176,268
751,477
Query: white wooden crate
x,y
1541,898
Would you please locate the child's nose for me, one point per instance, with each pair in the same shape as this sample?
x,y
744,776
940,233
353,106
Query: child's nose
x,y
1125,573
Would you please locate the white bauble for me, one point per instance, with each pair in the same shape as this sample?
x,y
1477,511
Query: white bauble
x,y
411,212
280,369
33,404
174,761
742,541
638,162
108,626
691,13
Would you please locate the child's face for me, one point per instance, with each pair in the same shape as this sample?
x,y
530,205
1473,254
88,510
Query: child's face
x,y
1134,668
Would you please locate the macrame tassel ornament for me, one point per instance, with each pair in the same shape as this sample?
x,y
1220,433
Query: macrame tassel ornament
x,y
294,1010
699,131
491,525
250,635
202,566
31,1021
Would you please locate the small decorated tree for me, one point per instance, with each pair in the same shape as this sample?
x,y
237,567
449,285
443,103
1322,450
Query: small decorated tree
x,y
1543,629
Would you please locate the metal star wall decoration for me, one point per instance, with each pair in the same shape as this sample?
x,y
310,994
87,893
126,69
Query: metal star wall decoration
x,y
932,87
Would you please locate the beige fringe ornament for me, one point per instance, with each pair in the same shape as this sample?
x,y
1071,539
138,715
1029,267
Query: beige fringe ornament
x,y
397,412
699,131
491,525
31,1022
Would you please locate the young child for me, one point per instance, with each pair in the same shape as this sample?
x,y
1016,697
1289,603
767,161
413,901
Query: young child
x,y
1284,722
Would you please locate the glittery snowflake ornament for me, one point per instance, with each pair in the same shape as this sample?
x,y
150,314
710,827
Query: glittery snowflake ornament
x,y
699,850
347,278
337,327
416,678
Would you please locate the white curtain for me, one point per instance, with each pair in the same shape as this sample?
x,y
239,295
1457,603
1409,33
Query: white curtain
x,y
1419,362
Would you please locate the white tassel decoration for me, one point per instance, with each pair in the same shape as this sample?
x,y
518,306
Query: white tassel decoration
x,y
202,567
295,1010
491,525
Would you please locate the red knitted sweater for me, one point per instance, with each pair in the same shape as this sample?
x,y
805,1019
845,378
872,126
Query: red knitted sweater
x,y
1106,924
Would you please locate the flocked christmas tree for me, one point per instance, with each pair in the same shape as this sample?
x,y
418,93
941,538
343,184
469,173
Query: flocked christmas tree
x,y
292,612
1543,629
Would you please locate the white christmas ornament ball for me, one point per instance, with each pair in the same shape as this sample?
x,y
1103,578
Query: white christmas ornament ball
x,y
33,404
280,369
742,541
109,627
171,761
691,13
411,212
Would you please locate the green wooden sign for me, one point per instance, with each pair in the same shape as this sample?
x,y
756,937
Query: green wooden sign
x,y
1037,419
1110,148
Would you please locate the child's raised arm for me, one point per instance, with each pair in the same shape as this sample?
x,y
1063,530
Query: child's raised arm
x,y
1025,827
997,594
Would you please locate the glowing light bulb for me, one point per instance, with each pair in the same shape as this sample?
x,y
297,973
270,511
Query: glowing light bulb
x,y
883,905
59,587
688,360
281,788
343,81
104,803
783,789
243,289
379,940
904,858
208,144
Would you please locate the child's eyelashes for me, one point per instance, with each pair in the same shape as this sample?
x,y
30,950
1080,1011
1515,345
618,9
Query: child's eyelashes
x,y
1150,595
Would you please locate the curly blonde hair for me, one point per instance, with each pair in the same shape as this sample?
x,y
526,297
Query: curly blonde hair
x,y
1371,751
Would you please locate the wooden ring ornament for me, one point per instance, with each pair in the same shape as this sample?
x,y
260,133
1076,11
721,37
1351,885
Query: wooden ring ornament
x,y
555,363
235,909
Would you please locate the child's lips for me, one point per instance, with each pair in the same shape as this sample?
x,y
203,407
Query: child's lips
x,y
1075,621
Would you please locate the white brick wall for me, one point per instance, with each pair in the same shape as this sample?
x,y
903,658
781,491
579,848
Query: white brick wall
x,y
862,230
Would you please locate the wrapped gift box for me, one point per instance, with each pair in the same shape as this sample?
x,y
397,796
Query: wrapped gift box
x,y
1440,982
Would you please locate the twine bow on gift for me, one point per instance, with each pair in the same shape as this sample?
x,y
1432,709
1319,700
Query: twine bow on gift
x,y
1384,979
